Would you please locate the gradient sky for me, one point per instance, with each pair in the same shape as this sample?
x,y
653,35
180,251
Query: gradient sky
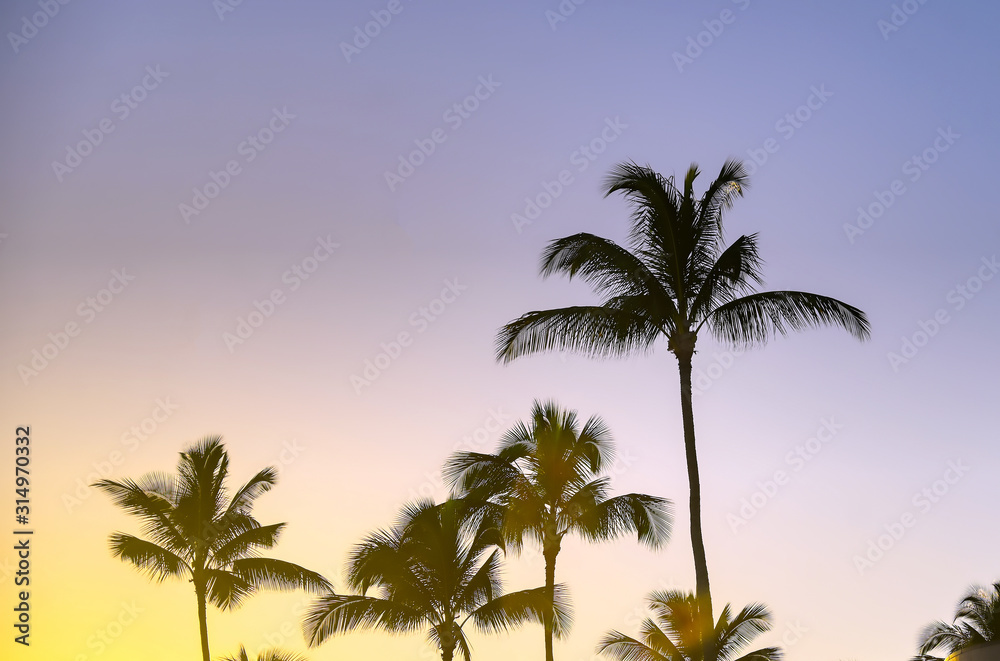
x,y
350,455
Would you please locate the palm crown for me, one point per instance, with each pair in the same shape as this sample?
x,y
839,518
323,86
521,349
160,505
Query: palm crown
x,y
545,481
547,478
436,569
676,277
977,621
676,635
193,530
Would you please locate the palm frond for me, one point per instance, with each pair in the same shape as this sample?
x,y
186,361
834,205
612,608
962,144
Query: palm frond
x,y
258,485
267,655
378,559
735,273
336,614
734,634
482,585
718,198
260,537
596,331
480,476
625,648
764,654
656,216
608,268
511,610
464,648
648,516
159,563
754,319
227,590
657,640
274,574
153,508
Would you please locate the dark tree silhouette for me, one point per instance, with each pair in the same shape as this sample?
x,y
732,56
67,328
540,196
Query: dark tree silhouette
x,y
546,481
675,279
676,633
269,655
977,621
192,530
435,570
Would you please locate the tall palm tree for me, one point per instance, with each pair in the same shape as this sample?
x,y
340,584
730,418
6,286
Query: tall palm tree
x,y
977,621
676,634
546,480
192,532
435,570
676,278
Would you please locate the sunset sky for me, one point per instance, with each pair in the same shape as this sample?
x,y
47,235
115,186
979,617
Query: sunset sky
x,y
221,217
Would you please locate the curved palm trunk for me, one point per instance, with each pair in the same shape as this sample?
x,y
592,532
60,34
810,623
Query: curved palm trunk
x,y
550,597
697,542
203,621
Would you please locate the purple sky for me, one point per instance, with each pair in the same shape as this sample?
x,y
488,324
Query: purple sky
x,y
120,116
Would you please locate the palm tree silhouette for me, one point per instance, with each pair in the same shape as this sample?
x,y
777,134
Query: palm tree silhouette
x,y
269,655
193,532
545,481
676,278
436,569
977,621
676,634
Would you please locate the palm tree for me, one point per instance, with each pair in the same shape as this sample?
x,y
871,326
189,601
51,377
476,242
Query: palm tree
x,y
977,621
546,481
435,570
676,634
676,278
193,532
269,655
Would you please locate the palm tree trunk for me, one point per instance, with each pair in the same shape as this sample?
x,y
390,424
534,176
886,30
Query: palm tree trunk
x,y
550,598
697,542
447,652
203,621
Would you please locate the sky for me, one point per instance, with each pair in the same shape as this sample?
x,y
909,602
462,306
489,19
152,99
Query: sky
x,y
261,221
